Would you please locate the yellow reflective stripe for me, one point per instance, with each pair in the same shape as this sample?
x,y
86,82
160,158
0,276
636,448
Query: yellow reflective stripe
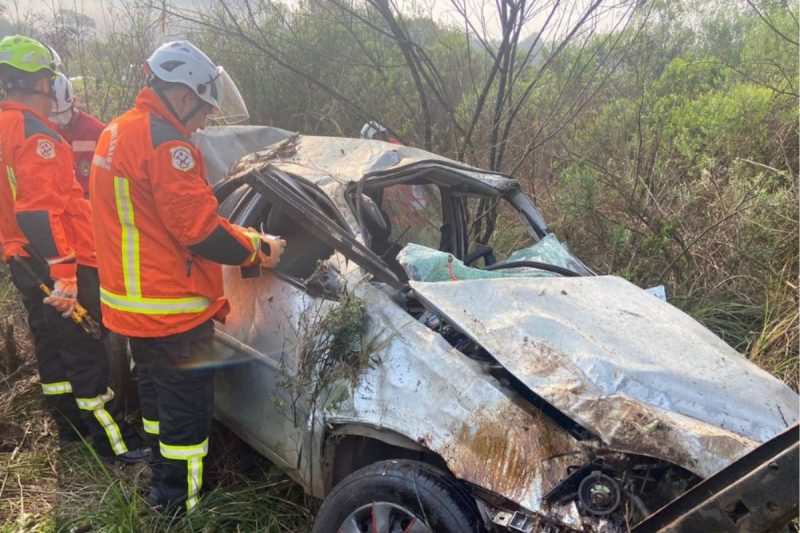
x,y
112,430
130,237
255,241
97,406
133,301
194,481
60,387
180,453
150,426
154,306
193,455
12,182
98,402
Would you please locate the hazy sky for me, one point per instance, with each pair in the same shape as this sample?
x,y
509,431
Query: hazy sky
x,y
482,14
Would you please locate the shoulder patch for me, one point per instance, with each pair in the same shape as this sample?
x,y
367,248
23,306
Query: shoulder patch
x,y
45,149
162,131
182,158
33,126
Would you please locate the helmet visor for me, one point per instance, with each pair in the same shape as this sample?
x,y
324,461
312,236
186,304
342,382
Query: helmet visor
x,y
231,108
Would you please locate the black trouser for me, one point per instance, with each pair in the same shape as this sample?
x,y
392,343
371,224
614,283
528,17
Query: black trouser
x,y
176,393
73,367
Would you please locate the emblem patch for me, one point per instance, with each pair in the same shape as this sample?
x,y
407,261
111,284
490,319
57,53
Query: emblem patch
x,y
83,167
182,158
45,149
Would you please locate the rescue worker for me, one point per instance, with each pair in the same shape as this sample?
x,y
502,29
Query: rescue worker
x,y
160,246
80,129
46,233
377,131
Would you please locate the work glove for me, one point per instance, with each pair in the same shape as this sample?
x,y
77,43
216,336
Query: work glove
x,y
274,246
64,296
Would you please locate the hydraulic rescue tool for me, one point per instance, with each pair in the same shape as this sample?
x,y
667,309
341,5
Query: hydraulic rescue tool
x,y
79,314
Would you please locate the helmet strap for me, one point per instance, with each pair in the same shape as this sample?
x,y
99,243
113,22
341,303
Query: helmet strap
x,y
200,105
160,92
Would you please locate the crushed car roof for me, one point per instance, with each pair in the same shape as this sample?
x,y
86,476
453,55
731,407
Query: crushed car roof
x,y
316,158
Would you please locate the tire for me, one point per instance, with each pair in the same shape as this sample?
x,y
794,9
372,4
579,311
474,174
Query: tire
x,y
398,495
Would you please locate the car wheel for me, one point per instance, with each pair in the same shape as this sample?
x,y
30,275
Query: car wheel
x,y
398,496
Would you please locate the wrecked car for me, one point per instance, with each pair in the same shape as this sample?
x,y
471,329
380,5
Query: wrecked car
x,y
421,370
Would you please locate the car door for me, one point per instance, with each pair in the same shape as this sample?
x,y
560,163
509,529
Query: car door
x,y
259,340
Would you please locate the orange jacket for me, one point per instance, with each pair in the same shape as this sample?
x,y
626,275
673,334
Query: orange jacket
x,y
40,200
159,237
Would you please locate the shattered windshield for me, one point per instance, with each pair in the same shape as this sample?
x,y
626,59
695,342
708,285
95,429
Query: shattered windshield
x,y
425,264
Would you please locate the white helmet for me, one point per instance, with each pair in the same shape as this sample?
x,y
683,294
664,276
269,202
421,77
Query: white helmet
x,y
373,130
184,63
63,94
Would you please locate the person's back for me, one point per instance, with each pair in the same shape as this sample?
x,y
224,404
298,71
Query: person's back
x,y
135,199
27,144
160,245
47,240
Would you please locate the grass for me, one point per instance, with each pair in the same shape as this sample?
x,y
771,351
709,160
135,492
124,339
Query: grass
x,y
71,490
47,489
253,497
44,488
776,346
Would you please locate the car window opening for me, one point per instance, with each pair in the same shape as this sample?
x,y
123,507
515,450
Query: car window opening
x,y
303,250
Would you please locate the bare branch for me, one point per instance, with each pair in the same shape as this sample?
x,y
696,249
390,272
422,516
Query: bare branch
x,y
769,23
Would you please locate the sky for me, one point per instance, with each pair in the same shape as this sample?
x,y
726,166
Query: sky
x,y
482,14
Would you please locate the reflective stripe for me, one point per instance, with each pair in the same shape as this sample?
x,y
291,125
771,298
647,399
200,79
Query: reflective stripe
x,y
97,406
112,430
12,182
150,426
130,237
60,387
154,306
255,241
193,455
179,453
98,402
83,146
133,301
194,481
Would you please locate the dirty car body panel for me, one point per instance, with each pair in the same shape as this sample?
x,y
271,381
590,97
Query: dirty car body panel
x,y
520,386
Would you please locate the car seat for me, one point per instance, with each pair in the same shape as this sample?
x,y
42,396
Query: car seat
x,y
377,224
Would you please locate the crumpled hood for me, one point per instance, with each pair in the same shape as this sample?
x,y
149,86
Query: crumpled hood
x,y
633,370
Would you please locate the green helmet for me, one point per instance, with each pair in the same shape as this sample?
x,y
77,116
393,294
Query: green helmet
x,y
28,55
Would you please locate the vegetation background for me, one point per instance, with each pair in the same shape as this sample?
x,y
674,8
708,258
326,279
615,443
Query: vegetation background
x,y
659,138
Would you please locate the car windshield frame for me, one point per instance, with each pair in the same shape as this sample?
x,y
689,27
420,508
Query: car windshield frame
x,y
455,183
285,191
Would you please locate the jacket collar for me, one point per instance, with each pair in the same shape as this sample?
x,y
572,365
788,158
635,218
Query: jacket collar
x,y
13,105
148,100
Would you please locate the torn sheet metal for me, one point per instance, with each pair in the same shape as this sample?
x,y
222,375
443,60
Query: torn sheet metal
x,y
352,159
325,158
486,435
634,370
223,146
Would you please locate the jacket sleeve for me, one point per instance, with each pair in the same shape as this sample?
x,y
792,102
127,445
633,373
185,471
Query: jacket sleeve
x,y
188,208
42,198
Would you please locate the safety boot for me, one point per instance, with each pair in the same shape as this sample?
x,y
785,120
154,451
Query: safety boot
x,y
131,457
